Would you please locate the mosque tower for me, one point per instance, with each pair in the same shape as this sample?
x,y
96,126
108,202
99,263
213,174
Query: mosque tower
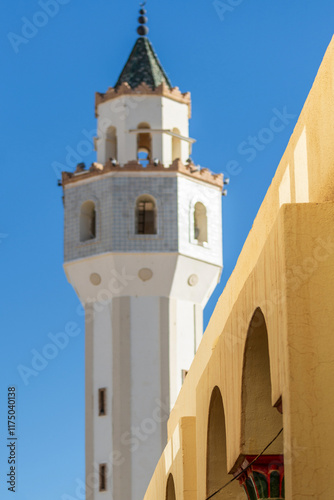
x,y
143,251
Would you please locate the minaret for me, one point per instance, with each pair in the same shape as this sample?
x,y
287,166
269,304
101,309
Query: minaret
x,y
143,251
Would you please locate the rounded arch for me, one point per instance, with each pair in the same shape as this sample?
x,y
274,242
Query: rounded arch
x,y
200,223
144,144
176,145
216,453
260,421
87,221
170,488
111,143
146,215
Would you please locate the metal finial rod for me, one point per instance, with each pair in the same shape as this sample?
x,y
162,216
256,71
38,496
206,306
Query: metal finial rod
x,y
142,30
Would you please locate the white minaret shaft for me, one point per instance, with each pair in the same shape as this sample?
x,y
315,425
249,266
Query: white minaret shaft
x,y
143,251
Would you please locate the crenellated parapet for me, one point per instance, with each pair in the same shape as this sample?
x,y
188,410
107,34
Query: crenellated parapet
x,y
162,90
97,169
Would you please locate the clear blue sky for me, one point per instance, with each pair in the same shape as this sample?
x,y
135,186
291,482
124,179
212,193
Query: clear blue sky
x,y
240,65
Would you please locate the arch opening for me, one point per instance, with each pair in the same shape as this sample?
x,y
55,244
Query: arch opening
x,y
200,223
87,221
176,145
260,420
144,145
216,459
170,489
111,144
146,215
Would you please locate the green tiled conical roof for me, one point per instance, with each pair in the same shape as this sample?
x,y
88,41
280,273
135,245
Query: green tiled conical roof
x,y
143,66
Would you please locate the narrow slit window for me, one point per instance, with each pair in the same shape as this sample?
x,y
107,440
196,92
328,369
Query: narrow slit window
x,y
200,224
111,144
102,402
103,477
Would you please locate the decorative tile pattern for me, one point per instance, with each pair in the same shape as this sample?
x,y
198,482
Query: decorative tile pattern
x,y
115,200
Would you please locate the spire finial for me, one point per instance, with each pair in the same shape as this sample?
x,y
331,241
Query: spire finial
x,y
142,30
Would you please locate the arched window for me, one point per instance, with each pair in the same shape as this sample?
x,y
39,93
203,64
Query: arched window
x,y
87,221
216,453
176,145
170,490
146,215
260,421
144,145
111,143
200,223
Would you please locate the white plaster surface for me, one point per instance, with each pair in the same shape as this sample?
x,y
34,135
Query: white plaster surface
x,y
102,377
127,112
145,388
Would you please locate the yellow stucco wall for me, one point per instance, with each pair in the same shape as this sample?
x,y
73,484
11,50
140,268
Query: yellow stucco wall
x,y
284,275
178,461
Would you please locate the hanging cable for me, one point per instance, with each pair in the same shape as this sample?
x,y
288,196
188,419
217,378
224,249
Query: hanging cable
x,y
243,470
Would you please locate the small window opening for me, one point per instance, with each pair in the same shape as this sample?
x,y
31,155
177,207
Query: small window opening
x,y
200,224
87,221
102,402
102,477
144,145
176,145
111,143
146,216
143,158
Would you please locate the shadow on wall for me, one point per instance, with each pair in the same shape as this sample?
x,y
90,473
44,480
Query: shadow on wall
x,y
170,490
